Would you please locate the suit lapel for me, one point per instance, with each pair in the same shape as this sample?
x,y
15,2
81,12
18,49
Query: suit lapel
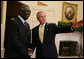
x,y
21,25
46,27
38,32
45,32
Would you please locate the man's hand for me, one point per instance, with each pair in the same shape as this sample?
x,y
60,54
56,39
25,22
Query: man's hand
x,y
77,24
30,52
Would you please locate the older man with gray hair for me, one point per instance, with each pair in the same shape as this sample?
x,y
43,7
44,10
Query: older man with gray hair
x,y
43,37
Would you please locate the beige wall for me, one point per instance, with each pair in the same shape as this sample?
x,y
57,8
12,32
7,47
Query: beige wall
x,y
53,10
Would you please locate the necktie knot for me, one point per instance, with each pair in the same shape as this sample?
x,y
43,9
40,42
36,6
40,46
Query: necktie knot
x,y
25,23
41,26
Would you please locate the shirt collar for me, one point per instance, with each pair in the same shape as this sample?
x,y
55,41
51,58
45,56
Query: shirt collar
x,y
21,19
43,24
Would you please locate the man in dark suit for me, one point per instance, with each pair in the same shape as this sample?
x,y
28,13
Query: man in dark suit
x,y
43,37
18,35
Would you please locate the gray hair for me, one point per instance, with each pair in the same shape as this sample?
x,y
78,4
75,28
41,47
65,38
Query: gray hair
x,y
39,13
22,7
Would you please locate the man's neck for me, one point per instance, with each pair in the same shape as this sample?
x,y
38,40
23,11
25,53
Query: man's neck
x,y
43,24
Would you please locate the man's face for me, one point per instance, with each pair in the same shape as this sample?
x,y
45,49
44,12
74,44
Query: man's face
x,y
25,13
42,18
69,11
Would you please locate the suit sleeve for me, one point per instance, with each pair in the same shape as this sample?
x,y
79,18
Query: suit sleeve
x,y
14,39
33,45
65,29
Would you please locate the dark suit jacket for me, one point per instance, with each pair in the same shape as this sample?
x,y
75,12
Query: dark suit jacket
x,y
17,39
48,48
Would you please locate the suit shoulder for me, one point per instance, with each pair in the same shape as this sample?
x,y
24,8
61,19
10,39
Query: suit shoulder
x,y
52,24
35,27
15,21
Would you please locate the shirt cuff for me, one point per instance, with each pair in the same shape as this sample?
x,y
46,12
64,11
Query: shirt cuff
x,y
72,28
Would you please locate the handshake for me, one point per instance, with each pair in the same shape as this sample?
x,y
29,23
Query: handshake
x,y
30,52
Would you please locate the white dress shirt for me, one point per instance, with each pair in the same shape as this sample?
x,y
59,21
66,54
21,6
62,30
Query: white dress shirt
x,y
23,21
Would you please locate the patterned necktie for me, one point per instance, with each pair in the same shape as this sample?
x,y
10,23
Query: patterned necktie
x,y
26,25
41,33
